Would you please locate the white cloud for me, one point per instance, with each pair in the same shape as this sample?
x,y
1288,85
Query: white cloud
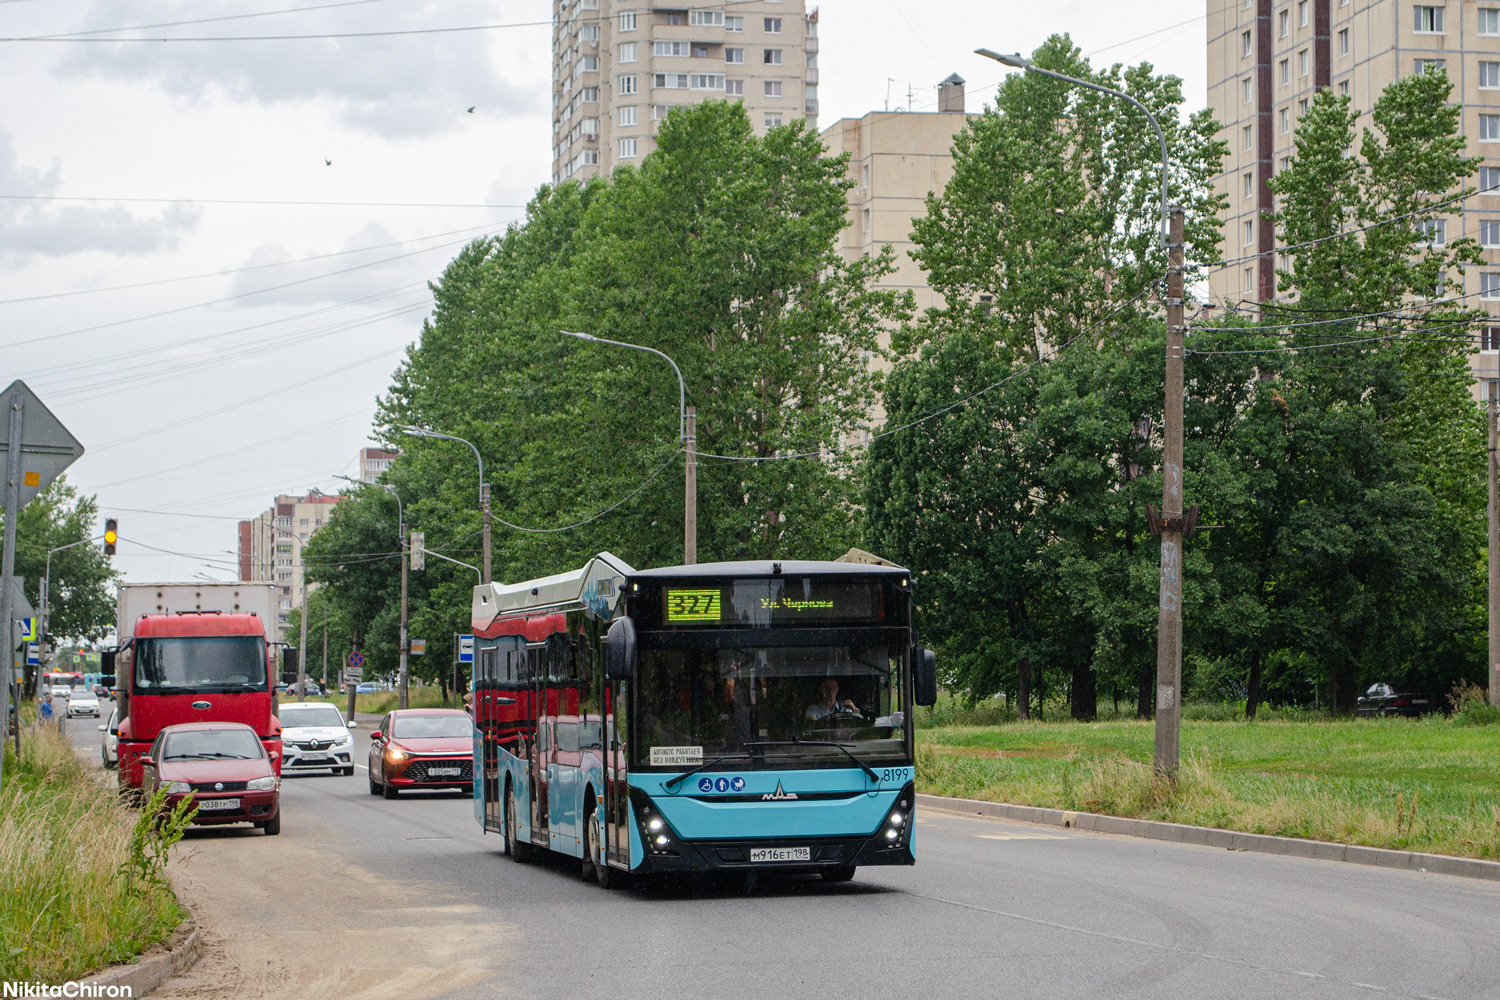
x,y
397,87
386,267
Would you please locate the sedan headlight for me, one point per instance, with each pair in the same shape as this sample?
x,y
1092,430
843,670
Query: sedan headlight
x,y
341,741
395,753
178,787
261,784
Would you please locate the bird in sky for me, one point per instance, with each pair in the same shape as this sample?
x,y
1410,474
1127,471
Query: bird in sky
x,y
327,163
471,109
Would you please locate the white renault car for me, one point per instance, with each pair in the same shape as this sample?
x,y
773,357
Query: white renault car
x,y
314,736
109,751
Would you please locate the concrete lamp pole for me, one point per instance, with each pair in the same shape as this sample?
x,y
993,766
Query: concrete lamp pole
x,y
47,586
402,687
1172,524
687,429
484,487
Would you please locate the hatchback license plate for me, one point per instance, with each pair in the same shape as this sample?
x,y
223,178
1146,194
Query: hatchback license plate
x,y
209,805
444,772
781,854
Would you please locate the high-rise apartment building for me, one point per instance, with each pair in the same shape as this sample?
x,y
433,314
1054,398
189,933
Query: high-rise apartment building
x,y
271,547
373,462
618,67
1266,61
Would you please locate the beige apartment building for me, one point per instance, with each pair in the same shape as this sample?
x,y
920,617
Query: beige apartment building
x,y
618,67
1266,61
271,547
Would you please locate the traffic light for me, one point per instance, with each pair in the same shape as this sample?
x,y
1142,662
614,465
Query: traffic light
x,y
111,535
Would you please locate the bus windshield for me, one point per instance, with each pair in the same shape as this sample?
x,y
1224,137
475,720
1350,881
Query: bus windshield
x,y
200,663
768,700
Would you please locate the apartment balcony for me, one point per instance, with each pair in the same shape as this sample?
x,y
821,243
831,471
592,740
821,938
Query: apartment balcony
x,y
810,109
811,76
810,44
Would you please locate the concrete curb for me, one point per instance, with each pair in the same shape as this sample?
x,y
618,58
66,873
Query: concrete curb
x,y
152,969
1232,840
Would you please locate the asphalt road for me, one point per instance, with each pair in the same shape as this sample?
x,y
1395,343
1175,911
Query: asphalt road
x,y
991,909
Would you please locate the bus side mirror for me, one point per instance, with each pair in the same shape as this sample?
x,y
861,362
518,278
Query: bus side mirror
x,y
925,675
619,650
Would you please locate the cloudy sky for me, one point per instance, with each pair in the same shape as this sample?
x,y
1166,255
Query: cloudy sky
x,y
213,249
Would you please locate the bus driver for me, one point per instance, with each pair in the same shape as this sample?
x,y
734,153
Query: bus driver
x,y
829,703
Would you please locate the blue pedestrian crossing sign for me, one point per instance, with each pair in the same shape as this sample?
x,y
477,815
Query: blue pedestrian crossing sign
x,y
29,627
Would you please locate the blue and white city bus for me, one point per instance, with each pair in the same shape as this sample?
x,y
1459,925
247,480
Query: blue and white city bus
x,y
743,716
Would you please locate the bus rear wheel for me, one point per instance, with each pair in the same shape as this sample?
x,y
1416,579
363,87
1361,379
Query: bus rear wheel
x,y
591,869
519,852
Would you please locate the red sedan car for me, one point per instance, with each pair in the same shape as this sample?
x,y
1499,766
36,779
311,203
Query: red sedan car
x,y
223,766
422,748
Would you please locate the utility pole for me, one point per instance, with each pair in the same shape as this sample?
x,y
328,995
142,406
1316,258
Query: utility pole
x,y
302,628
8,558
406,639
1494,671
690,501
1169,614
350,683
484,504
325,645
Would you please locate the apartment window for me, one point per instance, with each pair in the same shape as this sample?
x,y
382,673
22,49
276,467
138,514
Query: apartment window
x,y
1489,128
865,215
772,57
1343,41
1489,285
625,85
588,64
627,149
772,121
773,25
1489,20
773,88
302,535
669,48
1249,185
1249,232
675,17
303,524
1344,87
706,18
736,56
734,23
1429,19
706,81
1489,179
1302,108
734,88
1286,163
1286,71
627,52
591,156
864,176
672,81
284,521
1434,232
1302,63
1489,232
628,116
1286,121
589,95
1245,46
589,33
1489,338
1246,135
1489,75
1430,65
1302,13
1249,90
700,51
1249,279
627,20
1284,23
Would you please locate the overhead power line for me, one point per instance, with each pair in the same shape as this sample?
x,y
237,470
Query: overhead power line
x,y
252,201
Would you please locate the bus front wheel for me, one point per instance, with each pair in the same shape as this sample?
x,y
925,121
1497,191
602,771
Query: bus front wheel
x,y
518,851
843,874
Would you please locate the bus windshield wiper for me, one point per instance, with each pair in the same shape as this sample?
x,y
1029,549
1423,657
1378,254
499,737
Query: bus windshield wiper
x,y
711,763
820,743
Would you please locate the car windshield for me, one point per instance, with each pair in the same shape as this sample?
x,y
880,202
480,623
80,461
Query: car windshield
x,y
700,703
212,744
312,715
416,727
200,663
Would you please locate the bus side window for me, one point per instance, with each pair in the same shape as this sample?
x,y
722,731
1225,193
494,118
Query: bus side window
x,y
567,737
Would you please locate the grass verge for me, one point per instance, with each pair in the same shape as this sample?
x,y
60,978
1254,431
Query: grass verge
x,y
82,878
381,702
1430,784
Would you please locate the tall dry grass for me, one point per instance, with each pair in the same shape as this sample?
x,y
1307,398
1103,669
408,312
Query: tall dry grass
x,y
73,893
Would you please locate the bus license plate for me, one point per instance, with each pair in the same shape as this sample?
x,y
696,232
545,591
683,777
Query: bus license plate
x,y
781,854
209,805
443,772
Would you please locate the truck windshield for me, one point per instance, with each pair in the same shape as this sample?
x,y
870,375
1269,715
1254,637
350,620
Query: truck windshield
x,y
200,663
695,704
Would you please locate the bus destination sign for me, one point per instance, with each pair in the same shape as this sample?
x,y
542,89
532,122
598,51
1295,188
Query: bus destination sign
x,y
783,601
696,605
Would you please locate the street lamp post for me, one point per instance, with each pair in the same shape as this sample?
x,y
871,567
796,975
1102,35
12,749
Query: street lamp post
x,y
484,487
1171,524
402,686
687,429
46,586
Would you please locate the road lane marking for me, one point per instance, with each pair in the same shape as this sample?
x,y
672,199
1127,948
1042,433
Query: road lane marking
x,y
1019,836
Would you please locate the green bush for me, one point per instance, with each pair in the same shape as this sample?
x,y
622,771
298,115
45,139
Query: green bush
x,y
1471,706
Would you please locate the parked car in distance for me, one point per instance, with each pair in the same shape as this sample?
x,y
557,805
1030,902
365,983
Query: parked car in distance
x,y
223,766
315,736
110,744
83,702
1389,699
366,688
422,748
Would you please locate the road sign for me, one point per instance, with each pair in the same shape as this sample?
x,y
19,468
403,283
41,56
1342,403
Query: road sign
x,y
418,550
356,659
466,649
354,674
419,647
33,654
28,629
46,446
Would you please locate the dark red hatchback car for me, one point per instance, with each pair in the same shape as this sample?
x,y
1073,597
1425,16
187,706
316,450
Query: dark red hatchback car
x,y
422,748
224,766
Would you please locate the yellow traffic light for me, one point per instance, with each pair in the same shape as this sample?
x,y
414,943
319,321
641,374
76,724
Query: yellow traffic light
x,y
111,535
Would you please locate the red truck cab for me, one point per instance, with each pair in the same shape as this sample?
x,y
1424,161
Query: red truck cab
x,y
193,666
